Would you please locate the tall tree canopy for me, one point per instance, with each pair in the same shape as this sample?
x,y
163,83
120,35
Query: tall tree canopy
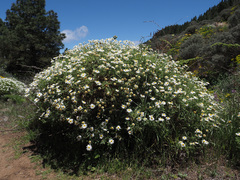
x,y
32,35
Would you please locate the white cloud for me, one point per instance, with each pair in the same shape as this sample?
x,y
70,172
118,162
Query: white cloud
x,y
77,34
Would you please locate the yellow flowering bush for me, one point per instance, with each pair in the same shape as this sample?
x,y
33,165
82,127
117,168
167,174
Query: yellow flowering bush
x,y
114,95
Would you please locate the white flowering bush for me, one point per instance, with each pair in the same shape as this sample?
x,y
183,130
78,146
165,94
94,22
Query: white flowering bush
x,y
11,86
112,94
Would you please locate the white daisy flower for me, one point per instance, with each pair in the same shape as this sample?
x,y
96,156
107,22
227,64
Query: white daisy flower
x,y
84,126
161,119
124,106
184,138
129,110
111,141
205,142
118,127
151,117
89,147
182,144
92,106
83,74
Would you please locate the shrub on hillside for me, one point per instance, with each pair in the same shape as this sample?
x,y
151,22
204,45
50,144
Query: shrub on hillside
x,y
111,96
191,29
236,33
234,19
191,47
11,86
225,14
224,37
227,92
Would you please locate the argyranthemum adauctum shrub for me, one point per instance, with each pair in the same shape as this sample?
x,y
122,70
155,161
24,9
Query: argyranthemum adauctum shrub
x,y
113,93
11,86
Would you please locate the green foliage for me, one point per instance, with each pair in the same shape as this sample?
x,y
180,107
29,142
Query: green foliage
x,y
207,44
227,92
225,14
191,47
219,13
115,99
234,19
206,31
14,97
30,37
5,44
236,33
191,29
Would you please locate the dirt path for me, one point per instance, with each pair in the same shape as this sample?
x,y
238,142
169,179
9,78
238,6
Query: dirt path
x,y
12,168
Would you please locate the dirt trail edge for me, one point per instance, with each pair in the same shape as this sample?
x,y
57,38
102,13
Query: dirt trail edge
x,y
12,167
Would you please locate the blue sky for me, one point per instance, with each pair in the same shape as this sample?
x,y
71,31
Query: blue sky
x,y
84,20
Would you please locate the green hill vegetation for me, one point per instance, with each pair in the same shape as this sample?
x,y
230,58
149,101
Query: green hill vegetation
x,y
208,44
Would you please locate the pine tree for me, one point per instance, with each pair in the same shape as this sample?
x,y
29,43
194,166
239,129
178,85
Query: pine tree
x,y
5,44
34,35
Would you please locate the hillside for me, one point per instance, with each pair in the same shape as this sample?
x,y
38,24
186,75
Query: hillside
x,y
209,44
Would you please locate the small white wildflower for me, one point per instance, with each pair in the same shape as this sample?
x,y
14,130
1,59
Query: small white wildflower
x,y
238,134
198,131
205,142
80,108
166,83
167,118
184,138
70,121
89,147
142,96
101,136
36,100
129,110
83,74
139,118
111,141
182,144
118,127
86,87
84,126
92,106
192,92
98,83
124,106
152,98
151,117
161,119
39,94
96,71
